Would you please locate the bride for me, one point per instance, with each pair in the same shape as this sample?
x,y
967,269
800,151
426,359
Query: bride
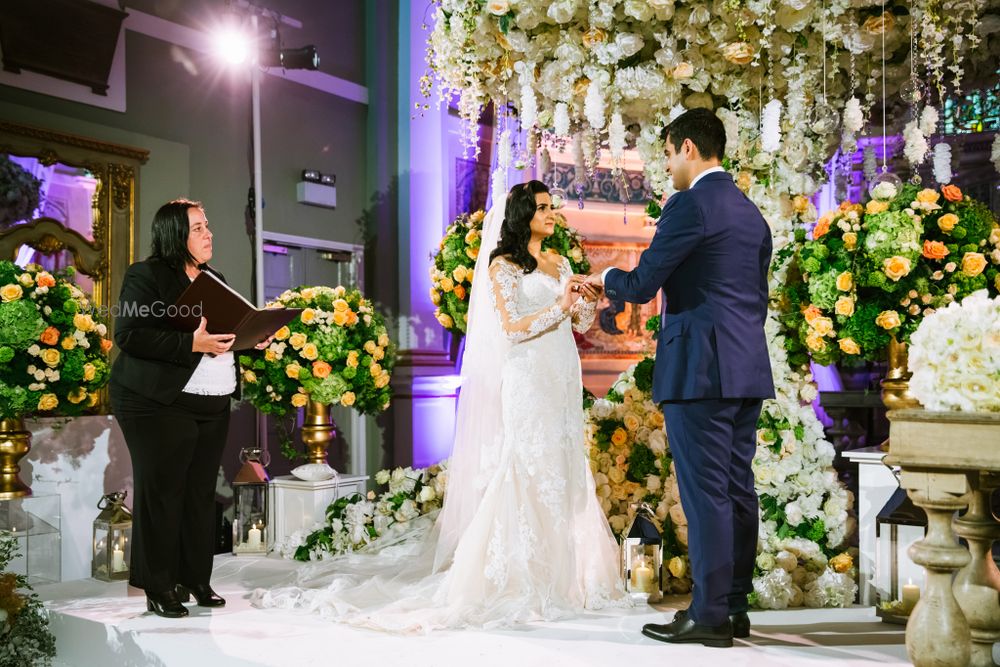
x,y
521,536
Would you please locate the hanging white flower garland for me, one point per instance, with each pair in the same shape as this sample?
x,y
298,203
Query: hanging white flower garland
x,y
942,163
770,130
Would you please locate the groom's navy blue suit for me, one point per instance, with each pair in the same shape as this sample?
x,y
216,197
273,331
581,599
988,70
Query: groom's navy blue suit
x,y
710,255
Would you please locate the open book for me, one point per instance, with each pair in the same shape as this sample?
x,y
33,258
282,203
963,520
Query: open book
x,y
227,312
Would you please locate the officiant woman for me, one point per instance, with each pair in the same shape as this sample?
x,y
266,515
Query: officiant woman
x,y
170,392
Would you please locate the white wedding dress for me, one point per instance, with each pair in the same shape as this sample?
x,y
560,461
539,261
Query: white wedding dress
x,y
521,536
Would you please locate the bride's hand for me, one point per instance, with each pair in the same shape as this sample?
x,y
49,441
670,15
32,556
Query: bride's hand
x,y
572,293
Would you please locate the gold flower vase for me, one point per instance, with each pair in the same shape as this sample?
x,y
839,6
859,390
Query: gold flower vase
x,y
15,443
896,385
318,431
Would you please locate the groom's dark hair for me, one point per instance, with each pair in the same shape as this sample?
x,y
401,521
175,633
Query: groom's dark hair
x,y
703,128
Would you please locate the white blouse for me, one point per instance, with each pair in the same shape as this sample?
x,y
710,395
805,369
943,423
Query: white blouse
x,y
214,376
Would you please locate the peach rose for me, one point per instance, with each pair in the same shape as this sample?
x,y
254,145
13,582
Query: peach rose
x,y
297,340
321,369
282,333
744,180
934,250
842,562
68,343
848,346
435,297
383,340
876,206
309,351
811,313
106,345
845,306
11,292
800,204
83,322
347,400
473,253
370,346
947,222
47,402
683,71
382,380
50,357
270,355
308,315
896,267
352,359
444,319
352,318
341,306
340,318
888,319
823,325
619,437
815,341
299,400
973,264
876,25
738,53
460,292
845,281
89,372
26,280
374,369
951,193
850,240
77,395
249,376
45,279
927,196
292,370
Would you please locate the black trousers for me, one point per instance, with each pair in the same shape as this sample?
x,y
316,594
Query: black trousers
x,y
176,451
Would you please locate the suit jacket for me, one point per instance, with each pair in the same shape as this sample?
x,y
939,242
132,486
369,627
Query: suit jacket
x,y
154,357
710,255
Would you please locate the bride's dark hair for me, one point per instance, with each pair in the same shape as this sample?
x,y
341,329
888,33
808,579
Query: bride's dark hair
x,y
515,232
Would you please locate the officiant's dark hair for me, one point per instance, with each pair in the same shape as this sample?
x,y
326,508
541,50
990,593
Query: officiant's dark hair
x,y
702,127
515,232
170,233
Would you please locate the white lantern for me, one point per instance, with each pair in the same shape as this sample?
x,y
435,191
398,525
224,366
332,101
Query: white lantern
x,y
642,556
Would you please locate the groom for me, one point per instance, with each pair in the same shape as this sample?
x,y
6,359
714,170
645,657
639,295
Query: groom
x,y
710,255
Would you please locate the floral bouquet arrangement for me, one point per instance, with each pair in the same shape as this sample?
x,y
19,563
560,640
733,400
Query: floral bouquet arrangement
x,y
53,352
19,192
873,272
356,521
955,356
454,264
336,351
25,637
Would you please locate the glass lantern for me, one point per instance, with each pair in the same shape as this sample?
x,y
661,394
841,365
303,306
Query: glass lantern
x,y
642,556
250,534
898,579
112,546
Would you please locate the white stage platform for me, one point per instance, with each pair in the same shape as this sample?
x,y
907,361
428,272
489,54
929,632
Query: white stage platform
x,y
100,624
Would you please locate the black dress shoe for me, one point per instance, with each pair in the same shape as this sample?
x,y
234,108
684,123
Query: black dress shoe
x,y
740,621
203,593
686,631
165,604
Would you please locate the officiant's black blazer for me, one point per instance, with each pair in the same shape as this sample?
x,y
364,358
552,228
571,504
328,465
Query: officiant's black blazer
x,y
155,359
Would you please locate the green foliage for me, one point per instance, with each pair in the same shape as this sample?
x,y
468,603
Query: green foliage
x,y
25,637
641,463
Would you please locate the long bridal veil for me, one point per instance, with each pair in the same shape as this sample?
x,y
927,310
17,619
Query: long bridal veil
x,y
401,582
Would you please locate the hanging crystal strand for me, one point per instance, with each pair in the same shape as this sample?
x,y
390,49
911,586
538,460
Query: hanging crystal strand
x,y
579,168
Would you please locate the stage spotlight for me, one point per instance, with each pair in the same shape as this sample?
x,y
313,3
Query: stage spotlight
x,y
232,46
304,57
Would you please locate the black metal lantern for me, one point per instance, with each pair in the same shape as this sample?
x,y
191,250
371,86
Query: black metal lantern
x,y
112,545
250,531
898,579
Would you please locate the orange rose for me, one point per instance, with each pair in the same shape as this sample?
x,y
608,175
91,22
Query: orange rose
x,y
50,336
934,250
896,267
45,279
947,222
951,193
973,264
822,226
105,345
888,319
812,313
619,437
320,369
460,292
352,318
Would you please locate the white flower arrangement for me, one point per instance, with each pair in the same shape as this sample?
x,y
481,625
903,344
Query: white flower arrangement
x,y
915,149
955,356
854,117
616,136
928,120
942,163
770,131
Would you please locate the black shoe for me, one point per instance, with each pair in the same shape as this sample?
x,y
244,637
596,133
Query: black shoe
x,y
165,604
686,631
203,593
739,619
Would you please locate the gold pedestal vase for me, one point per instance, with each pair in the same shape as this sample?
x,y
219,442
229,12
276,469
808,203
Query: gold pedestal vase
x,y
318,431
15,443
896,385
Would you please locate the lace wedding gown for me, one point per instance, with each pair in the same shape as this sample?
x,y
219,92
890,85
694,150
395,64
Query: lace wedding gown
x,y
534,543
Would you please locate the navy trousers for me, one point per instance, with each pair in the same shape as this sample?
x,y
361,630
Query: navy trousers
x,y
713,442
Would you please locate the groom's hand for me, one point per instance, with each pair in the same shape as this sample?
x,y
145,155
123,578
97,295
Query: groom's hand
x,y
595,279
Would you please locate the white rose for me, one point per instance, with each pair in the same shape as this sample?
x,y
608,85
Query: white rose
x,y
382,477
658,442
653,483
426,494
498,7
34,350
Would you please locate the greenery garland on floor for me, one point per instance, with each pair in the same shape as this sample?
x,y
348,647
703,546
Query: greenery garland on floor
x,y
25,637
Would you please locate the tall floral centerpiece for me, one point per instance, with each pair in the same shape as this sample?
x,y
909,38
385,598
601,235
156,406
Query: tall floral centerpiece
x,y
53,358
870,274
454,264
337,351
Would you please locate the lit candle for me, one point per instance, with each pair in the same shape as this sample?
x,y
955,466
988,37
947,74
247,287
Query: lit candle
x,y
911,595
118,560
253,538
642,577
